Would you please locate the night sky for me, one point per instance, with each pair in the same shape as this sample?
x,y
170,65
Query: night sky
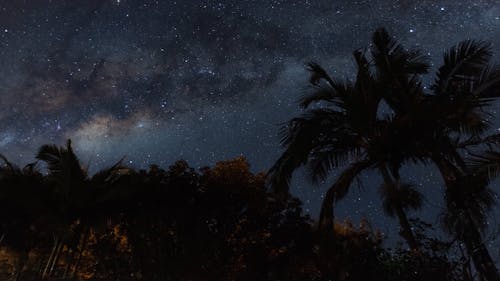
x,y
204,81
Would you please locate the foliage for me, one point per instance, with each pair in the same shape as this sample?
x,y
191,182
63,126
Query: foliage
x,y
218,223
386,118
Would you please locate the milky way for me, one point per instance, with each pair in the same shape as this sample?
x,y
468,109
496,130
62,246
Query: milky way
x,y
199,80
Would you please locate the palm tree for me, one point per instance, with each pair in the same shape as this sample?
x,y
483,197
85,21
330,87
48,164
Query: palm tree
x,y
465,85
75,194
450,122
346,127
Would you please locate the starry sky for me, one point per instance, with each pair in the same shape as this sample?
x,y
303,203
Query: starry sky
x,y
204,81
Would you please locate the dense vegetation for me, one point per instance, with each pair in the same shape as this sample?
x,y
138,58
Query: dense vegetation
x,y
227,223
219,223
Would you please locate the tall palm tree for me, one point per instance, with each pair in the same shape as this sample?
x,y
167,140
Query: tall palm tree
x,y
449,122
75,195
465,85
347,127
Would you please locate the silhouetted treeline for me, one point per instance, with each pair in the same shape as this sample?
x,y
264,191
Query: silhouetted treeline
x,y
218,223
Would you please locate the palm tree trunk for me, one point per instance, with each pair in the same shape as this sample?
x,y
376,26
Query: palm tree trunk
x,y
51,256
406,231
480,255
85,236
472,239
39,264
466,266
326,216
338,190
55,259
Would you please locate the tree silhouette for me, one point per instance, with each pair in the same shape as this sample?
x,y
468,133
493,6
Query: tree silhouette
x,y
219,223
23,212
465,85
74,195
348,126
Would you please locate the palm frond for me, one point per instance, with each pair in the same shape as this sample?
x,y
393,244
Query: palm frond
x,y
31,168
488,83
313,124
397,194
339,190
319,94
393,60
335,152
467,204
108,175
323,161
473,123
63,164
490,141
52,155
330,140
487,163
415,62
462,113
462,61
335,95
299,137
318,73
13,169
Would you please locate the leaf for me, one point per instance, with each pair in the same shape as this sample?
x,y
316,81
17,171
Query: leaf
x,y
487,163
488,83
393,61
318,74
462,61
397,194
